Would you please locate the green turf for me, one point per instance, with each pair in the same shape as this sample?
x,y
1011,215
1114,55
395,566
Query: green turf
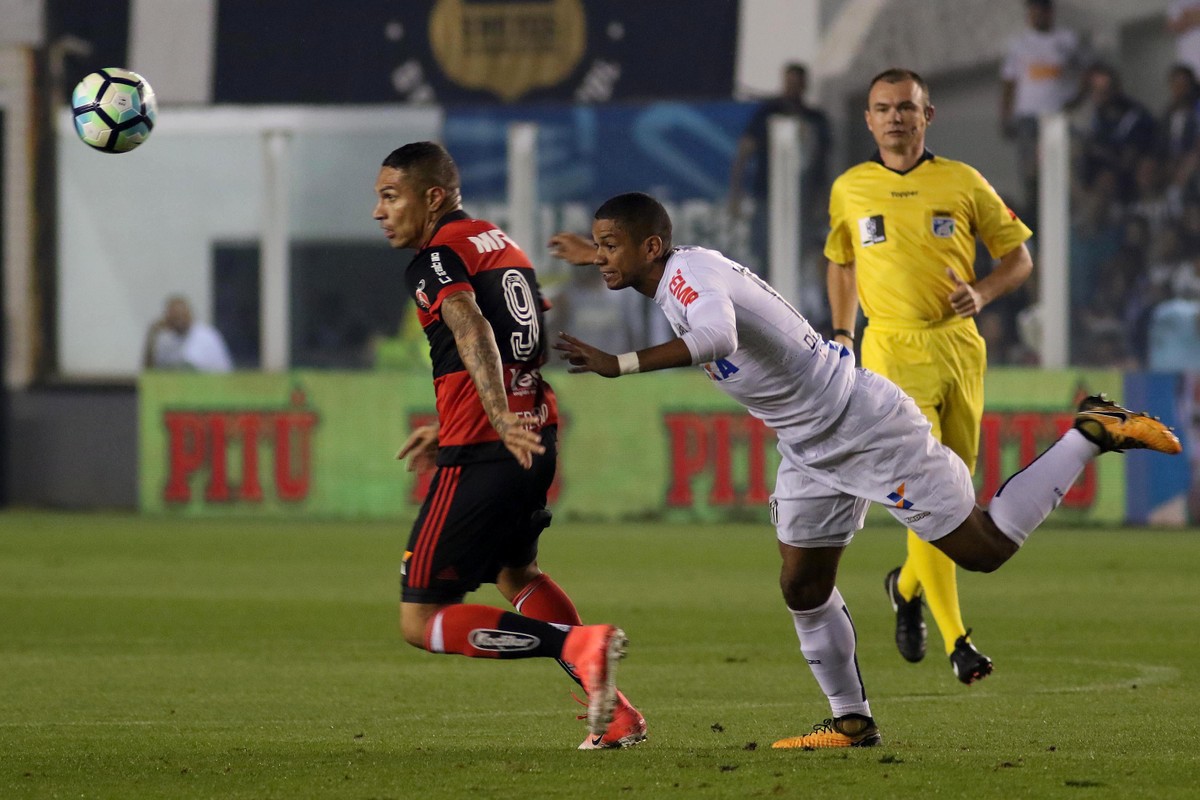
x,y
147,657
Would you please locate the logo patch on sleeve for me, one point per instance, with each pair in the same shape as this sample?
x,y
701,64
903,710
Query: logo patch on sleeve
x,y
870,230
422,298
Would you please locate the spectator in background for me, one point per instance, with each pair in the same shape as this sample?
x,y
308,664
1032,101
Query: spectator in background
x,y
1151,202
1103,336
1095,232
751,169
1175,336
1179,128
178,341
1151,287
1119,132
1040,75
1183,22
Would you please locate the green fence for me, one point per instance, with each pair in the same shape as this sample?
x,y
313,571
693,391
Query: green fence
x,y
658,446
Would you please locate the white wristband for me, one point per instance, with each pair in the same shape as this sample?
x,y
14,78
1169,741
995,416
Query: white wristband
x,y
628,363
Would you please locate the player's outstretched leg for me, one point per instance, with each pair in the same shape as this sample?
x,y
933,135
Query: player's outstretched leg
x,y
987,539
542,598
479,631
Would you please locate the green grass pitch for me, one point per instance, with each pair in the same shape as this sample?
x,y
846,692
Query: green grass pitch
x,y
177,658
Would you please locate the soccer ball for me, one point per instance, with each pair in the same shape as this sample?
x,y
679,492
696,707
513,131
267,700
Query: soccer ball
x,y
114,110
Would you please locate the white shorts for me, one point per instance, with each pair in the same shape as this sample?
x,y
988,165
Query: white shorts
x,y
880,450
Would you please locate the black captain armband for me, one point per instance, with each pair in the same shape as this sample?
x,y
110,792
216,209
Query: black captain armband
x,y
843,332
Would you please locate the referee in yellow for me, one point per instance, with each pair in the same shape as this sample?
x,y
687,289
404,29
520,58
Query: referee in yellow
x,y
902,241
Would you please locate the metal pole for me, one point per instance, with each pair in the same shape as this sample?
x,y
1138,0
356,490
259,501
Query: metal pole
x,y
522,187
783,193
275,263
1054,242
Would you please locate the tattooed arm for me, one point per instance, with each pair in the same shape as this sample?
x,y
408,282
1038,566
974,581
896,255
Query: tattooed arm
x,y
477,348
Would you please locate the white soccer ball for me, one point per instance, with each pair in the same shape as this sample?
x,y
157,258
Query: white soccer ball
x,y
114,110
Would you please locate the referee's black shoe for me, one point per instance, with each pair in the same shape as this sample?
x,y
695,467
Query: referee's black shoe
x,y
969,664
911,632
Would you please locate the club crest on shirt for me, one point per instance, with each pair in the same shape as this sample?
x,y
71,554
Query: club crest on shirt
x,y
870,230
943,226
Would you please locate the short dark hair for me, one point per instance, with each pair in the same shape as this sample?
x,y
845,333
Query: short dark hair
x,y
426,164
798,67
899,75
639,215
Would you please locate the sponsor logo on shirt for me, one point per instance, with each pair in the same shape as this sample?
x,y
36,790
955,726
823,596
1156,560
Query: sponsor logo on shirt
x,y
870,230
720,369
436,260
422,298
490,241
680,290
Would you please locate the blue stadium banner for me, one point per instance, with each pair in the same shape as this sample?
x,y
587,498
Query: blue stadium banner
x,y
472,51
1165,491
679,152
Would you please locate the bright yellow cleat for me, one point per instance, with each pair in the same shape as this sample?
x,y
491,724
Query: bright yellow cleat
x,y
852,730
1113,428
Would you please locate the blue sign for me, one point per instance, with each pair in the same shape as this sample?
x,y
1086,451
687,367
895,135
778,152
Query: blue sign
x,y
675,151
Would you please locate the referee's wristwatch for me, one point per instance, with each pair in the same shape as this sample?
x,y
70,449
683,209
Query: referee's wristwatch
x,y
843,332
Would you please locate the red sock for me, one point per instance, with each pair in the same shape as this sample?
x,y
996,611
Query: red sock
x,y
479,631
545,600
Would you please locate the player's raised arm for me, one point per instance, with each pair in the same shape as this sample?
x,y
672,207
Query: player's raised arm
x,y
477,348
572,248
584,358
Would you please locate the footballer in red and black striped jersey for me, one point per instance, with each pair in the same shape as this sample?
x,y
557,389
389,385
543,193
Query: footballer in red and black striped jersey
x,y
474,255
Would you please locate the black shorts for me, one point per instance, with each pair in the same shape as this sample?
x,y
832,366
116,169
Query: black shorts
x,y
477,519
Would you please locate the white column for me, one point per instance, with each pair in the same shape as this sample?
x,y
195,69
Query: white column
x,y
522,187
172,45
783,207
275,262
20,334
1054,240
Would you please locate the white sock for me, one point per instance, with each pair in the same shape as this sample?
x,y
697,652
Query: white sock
x,y
827,640
1028,497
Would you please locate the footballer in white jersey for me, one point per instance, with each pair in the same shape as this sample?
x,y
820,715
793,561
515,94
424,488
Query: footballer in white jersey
x,y
754,345
847,437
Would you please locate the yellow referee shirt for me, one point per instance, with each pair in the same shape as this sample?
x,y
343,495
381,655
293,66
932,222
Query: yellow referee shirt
x,y
903,230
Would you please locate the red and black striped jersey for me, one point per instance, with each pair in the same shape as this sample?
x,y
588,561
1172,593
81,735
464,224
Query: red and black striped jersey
x,y
473,255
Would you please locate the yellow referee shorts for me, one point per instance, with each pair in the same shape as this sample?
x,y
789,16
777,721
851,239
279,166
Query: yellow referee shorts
x,y
941,366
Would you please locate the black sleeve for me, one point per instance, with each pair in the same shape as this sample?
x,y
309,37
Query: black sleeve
x,y
434,275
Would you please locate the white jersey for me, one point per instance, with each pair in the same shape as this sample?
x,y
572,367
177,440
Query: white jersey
x,y
201,349
1187,44
1044,65
754,345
